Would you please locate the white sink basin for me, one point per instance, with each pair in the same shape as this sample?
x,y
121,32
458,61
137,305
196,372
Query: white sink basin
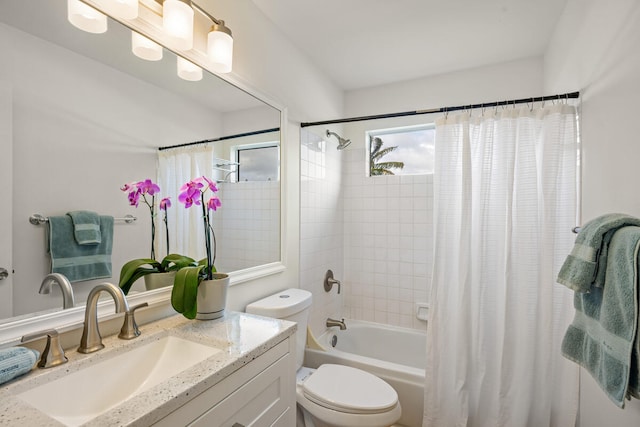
x,y
93,390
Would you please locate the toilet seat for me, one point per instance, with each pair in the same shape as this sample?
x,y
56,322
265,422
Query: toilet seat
x,y
349,390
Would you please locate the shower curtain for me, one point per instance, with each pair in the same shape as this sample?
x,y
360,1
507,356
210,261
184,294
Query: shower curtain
x,y
176,167
505,189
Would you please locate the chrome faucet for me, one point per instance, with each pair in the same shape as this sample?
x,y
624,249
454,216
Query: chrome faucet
x,y
333,322
65,286
91,339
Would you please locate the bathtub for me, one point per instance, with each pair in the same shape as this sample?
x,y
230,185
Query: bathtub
x,y
397,355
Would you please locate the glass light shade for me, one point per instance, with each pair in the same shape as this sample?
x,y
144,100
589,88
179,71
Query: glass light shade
x,y
177,21
144,48
220,51
85,17
125,9
188,70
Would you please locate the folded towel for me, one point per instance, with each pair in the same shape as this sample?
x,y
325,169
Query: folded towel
x,y
602,337
585,267
79,262
86,227
16,361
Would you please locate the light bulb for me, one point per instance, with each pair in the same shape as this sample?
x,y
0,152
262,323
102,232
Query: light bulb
x,y
85,17
220,49
144,48
177,21
188,70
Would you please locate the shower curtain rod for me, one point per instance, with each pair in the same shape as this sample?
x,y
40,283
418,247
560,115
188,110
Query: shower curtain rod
x,y
570,95
222,138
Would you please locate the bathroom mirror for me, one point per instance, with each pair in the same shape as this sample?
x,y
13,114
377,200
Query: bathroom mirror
x,y
81,116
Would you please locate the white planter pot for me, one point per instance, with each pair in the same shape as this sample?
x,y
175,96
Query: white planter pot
x,y
212,297
159,280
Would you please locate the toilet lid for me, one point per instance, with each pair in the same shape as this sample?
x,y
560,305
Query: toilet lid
x,y
349,390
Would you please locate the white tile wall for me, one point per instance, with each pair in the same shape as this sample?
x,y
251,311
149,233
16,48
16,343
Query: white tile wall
x,y
251,215
375,233
321,226
388,243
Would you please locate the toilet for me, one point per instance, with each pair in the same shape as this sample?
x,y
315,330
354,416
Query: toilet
x,y
331,395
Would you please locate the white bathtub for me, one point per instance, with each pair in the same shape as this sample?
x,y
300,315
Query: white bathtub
x,y
397,355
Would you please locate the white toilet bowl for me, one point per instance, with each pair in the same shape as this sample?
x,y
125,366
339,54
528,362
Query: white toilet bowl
x,y
341,396
332,395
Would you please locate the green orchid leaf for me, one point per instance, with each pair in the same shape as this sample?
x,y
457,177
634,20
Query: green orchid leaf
x,y
175,262
185,291
133,270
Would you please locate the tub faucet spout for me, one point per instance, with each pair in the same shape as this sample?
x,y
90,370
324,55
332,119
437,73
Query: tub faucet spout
x,y
65,287
333,322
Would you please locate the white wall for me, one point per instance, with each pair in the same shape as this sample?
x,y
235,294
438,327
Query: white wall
x,y
595,50
517,79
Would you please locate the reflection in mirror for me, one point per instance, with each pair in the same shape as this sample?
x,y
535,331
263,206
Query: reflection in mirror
x,y
81,116
248,223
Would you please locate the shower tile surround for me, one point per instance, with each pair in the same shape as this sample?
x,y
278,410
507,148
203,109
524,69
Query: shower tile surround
x,y
248,224
375,233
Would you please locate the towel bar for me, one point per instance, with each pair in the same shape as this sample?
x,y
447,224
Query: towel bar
x,y
576,230
37,219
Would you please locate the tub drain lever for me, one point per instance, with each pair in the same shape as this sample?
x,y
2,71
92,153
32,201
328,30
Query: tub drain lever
x,y
329,281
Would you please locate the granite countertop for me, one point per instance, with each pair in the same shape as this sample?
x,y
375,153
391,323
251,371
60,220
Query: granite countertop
x,y
240,337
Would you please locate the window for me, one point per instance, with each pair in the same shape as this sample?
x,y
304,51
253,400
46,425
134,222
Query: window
x,y
258,162
401,151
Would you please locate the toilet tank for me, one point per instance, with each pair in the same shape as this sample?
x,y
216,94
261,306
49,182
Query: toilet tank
x,y
293,305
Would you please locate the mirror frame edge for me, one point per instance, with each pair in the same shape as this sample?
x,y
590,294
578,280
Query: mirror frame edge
x,y
71,319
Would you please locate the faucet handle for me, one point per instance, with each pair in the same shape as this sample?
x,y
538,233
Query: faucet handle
x,y
129,328
53,353
329,281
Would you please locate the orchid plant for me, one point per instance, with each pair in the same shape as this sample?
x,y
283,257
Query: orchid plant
x,y
133,270
183,295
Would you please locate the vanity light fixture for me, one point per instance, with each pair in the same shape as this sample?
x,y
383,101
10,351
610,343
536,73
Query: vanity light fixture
x,y
219,43
187,70
177,22
220,47
85,17
145,48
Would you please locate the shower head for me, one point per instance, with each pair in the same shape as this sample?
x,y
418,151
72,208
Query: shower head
x,y
342,143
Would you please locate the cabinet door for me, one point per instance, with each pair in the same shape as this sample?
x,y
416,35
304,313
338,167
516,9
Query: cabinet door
x,y
255,395
260,402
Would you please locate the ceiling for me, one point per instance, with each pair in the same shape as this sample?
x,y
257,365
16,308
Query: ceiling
x,y
362,43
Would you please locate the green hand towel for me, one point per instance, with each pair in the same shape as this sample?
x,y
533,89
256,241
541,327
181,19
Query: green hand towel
x,y
86,227
79,262
585,267
602,337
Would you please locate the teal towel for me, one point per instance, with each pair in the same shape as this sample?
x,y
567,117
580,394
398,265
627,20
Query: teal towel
x,y
603,335
585,267
79,262
86,227
16,361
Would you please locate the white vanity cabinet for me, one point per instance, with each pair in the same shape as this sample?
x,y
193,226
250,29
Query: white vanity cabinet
x,y
260,393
